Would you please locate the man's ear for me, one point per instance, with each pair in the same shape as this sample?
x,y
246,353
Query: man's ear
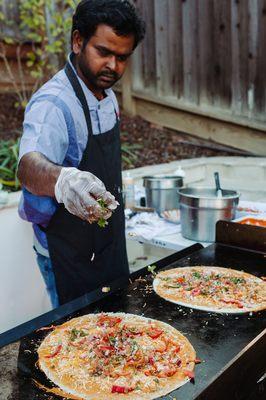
x,y
77,42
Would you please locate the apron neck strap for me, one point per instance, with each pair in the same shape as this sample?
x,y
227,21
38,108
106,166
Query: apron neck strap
x,y
80,95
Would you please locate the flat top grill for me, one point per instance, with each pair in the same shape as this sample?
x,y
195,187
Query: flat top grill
x,y
217,338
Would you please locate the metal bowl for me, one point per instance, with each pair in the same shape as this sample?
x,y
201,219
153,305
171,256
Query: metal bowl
x,y
201,208
161,192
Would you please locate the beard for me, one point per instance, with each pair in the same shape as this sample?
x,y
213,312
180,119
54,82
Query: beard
x,y
102,80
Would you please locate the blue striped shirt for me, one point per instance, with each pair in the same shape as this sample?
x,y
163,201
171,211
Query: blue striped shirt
x,y
55,126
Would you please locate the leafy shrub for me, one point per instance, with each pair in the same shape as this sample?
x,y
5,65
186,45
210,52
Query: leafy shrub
x,y
9,150
45,26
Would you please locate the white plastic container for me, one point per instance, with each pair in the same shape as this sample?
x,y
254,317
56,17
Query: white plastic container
x,y
128,190
180,172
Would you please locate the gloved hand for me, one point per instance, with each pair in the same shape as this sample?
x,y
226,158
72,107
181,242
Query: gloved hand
x,y
79,191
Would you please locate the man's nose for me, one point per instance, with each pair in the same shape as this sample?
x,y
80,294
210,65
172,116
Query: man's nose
x,y
112,63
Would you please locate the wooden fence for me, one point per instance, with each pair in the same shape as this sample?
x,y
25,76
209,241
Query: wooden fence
x,y
205,58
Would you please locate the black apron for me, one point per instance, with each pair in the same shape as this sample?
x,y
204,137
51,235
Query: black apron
x,y
85,256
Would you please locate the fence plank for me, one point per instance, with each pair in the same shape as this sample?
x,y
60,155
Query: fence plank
x,y
206,51
136,61
175,44
252,54
222,53
190,47
162,50
240,81
148,46
260,80
219,131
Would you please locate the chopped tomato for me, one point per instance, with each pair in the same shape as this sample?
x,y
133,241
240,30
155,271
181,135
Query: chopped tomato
x,y
121,389
154,333
79,343
148,373
109,321
190,374
177,349
167,372
106,348
162,347
180,280
57,350
151,360
131,334
195,292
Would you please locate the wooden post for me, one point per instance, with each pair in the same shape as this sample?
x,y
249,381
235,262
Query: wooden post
x,y
128,102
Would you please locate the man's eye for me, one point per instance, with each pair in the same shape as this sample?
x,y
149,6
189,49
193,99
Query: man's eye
x,y
103,52
122,58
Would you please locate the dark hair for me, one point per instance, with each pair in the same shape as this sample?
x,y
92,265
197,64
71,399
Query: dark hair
x,y
120,15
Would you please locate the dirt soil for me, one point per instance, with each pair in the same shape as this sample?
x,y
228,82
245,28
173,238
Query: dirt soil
x,y
157,144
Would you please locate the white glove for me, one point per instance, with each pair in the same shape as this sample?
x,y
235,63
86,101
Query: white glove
x,y
79,191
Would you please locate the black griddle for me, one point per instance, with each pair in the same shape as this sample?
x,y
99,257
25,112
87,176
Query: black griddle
x,y
232,347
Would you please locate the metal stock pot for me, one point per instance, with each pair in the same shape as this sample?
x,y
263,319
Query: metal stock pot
x,y
201,208
161,192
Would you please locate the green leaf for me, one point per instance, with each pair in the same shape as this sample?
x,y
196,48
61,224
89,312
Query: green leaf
x,y
151,268
102,223
8,40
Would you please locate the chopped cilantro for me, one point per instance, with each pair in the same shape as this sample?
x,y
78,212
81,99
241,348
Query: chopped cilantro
x,y
112,340
151,268
102,222
236,280
173,286
75,333
134,346
196,274
101,203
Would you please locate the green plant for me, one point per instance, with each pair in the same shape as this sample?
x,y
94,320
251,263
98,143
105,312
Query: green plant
x,y
9,150
45,25
128,155
128,151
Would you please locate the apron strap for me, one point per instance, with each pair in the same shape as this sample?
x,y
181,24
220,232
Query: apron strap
x,y
80,95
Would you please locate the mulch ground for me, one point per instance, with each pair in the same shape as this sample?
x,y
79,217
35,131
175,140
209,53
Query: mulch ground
x,y
157,144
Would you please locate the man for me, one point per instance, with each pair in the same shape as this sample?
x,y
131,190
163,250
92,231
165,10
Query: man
x,y
70,165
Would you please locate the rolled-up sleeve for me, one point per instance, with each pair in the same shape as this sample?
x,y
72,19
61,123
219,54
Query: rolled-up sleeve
x,y
44,131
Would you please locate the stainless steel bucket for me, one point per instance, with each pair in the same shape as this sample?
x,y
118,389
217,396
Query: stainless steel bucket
x,y
201,208
161,192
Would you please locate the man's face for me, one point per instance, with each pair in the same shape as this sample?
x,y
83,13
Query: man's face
x,y
103,60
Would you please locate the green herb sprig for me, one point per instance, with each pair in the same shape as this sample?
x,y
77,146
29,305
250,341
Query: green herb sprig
x,y
102,222
151,268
